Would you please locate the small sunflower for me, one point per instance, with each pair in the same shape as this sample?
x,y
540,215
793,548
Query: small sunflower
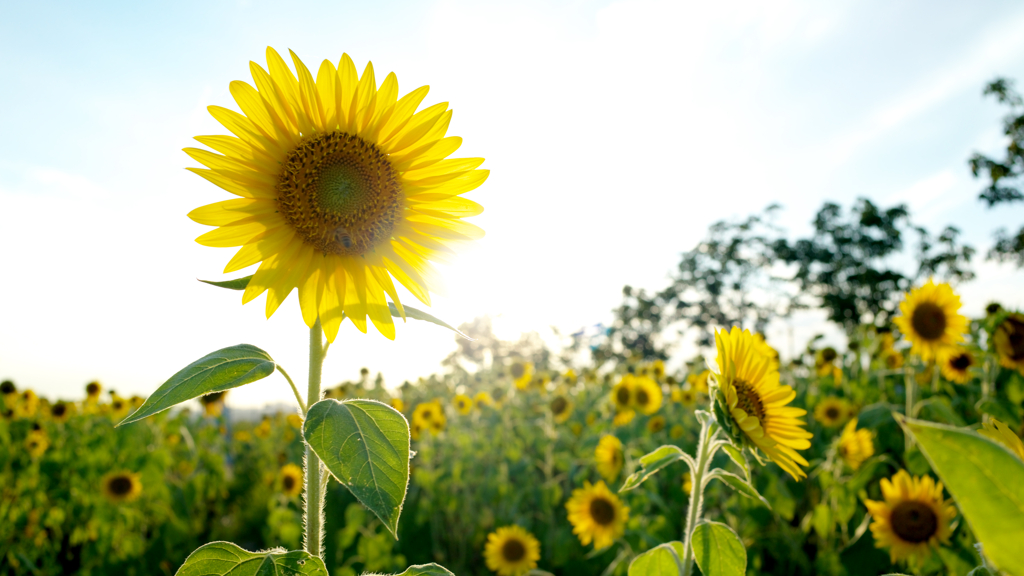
x,y
561,408
622,393
658,370
833,412
27,404
956,364
8,391
290,479
262,430
482,400
93,390
855,446
609,457
647,395
824,360
700,382
623,417
912,518
997,431
463,404
1009,342
511,551
36,443
294,420
522,373
750,404
687,483
122,486
61,411
570,377
429,416
341,186
684,395
596,515
930,319
213,404
398,404
892,359
676,431
656,424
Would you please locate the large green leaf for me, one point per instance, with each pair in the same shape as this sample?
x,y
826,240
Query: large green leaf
x,y
225,558
417,314
426,570
738,484
662,560
365,445
653,462
718,550
236,284
217,371
987,482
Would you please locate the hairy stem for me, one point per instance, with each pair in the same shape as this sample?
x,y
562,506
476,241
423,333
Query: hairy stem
x,y
314,502
695,510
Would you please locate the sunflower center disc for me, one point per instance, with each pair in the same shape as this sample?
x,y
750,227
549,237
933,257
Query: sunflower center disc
x,y
929,321
622,395
642,398
513,550
602,511
558,405
1015,328
340,193
289,483
832,412
914,521
517,371
961,362
748,400
120,485
828,354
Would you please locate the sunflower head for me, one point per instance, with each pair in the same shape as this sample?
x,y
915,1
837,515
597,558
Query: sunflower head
x,y
483,399
832,412
647,395
892,359
121,486
93,389
7,388
1008,340
597,515
622,393
463,404
61,411
855,446
213,404
676,431
956,364
656,424
751,405
522,373
36,444
609,457
397,404
570,377
912,517
290,479
930,319
561,408
511,551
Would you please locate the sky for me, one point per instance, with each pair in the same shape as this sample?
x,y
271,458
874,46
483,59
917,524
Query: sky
x,y
615,133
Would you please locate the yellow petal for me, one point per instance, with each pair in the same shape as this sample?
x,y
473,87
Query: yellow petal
x,y
260,247
309,295
231,211
332,285
355,292
298,258
231,236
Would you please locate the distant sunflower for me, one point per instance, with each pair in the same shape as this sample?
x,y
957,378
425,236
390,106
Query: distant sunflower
x,y
561,408
122,486
930,319
61,411
1009,342
824,360
294,420
430,416
522,373
463,404
36,444
892,359
622,393
956,364
658,370
684,395
832,412
997,431
855,446
213,403
676,432
291,480
647,396
398,404
570,377
8,391
483,399
750,403
623,417
511,551
656,424
687,483
700,382
912,518
596,515
609,457
27,404
341,186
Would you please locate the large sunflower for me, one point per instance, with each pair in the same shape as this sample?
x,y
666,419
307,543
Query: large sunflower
x,y
511,551
750,404
341,186
609,457
912,517
122,486
596,515
1009,342
929,319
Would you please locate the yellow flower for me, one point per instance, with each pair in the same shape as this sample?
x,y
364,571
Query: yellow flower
x,y
929,319
511,551
676,432
647,395
341,185
609,457
700,382
92,391
912,517
61,411
122,486
751,404
658,370
1009,342
213,403
656,424
522,373
243,436
27,405
294,420
119,407
291,479
36,443
624,417
684,395
8,391
832,412
622,393
429,416
855,446
687,483
561,408
995,430
570,377
483,399
892,359
956,364
463,404
596,515
824,360
262,430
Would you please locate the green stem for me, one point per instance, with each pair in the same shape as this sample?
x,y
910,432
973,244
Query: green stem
x,y
314,503
298,397
908,385
704,454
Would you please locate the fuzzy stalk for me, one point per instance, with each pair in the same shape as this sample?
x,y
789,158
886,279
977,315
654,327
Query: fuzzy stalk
x,y
696,506
313,512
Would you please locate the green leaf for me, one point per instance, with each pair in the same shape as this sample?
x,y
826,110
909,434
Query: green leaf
x,y
662,560
236,284
738,484
222,558
985,479
425,570
653,462
737,456
718,550
217,371
365,445
417,314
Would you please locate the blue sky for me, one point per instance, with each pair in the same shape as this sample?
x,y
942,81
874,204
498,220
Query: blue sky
x,y
615,132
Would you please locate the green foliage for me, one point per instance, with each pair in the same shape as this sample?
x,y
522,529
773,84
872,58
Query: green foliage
x,y
738,484
225,558
654,462
235,284
718,550
662,560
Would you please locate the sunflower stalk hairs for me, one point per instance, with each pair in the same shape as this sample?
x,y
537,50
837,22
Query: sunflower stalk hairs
x,y
341,187
750,415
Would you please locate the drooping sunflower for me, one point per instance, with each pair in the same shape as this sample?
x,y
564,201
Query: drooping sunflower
x,y
597,515
750,403
561,408
341,186
482,400
290,479
647,395
956,364
997,431
463,404
511,551
930,319
656,424
912,518
1009,342
522,373
609,457
832,412
121,486
855,446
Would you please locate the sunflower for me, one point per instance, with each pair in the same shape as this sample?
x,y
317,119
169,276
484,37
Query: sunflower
x,y
483,399
213,404
294,420
27,405
570,377
596,515
511,551
892,359
751,404
622,393
623,417
855,446
997,431
463,404
832,412
824,360
1009,342
8,391
36,443
700,381
912,517
929,319
647,395
262,430
397,404
956,364
122,486
684,395
341,186
522,373
290,479
676,431
656,424
687,483
92,391
61,411
609,457
561,408
429,416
